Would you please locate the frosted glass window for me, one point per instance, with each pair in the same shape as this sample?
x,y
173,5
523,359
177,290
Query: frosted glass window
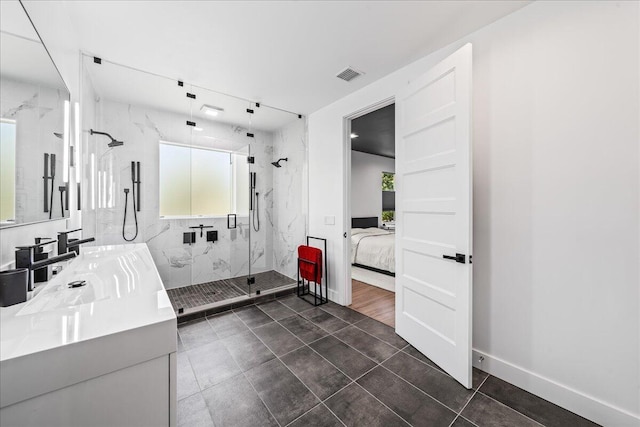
x,y
202,182
241,182
210,182
7,170
175,180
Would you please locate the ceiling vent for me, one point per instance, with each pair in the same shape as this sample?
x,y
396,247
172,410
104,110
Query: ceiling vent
x,y
349,74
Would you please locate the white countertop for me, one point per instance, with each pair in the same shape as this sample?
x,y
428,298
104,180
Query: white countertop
x,y
124,297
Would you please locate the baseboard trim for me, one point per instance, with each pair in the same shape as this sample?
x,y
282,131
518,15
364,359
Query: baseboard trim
x,y
373,278
575,401
335,297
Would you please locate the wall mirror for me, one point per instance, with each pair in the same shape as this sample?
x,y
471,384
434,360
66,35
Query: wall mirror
x,y
34,125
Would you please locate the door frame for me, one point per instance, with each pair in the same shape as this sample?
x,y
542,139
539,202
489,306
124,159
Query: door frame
x,y
346,178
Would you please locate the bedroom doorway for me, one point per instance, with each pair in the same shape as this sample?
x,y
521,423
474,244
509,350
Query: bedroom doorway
x,y
371,206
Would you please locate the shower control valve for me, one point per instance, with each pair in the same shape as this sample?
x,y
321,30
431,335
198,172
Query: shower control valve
x,y
201,227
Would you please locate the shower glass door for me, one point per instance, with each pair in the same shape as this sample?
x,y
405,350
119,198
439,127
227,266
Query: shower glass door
x,y
220,199
240,236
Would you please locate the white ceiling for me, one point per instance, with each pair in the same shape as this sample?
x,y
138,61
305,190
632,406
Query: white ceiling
x,y
281,53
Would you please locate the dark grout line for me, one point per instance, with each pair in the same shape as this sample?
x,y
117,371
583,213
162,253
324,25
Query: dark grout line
x,y
244,373
459,414
386,342
339,370
352,381
421,391
377,364
507,406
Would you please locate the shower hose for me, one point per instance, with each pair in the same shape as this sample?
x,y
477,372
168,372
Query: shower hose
x,y
135,216
256,216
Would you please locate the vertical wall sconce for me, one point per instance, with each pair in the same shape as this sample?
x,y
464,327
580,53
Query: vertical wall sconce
x,y
77,144
92,177
67,149
66,156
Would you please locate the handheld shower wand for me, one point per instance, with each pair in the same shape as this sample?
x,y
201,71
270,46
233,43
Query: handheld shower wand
x,y
135,182
254,199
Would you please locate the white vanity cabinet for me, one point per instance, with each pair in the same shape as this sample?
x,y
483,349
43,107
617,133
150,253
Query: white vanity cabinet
x,y
100,355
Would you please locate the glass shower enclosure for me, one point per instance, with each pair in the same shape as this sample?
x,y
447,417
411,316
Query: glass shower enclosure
x,y
209,203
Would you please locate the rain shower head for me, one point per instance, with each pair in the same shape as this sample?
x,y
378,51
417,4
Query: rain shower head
x,y
113,143
277,164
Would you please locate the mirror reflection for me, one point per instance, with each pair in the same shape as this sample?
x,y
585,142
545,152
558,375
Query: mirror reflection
x,y
34,108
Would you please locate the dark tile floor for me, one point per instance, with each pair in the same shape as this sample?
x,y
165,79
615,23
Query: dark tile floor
x,y
286,363
203,294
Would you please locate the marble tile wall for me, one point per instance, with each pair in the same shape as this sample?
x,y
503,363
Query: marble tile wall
x,y
290,197
181,264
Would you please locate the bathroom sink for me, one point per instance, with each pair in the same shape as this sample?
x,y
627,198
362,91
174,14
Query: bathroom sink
x,y
83,343
110,272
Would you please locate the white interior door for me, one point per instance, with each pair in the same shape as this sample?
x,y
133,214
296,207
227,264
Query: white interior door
x,y
433,179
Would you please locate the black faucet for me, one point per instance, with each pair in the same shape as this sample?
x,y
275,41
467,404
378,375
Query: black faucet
x,y
25,255
64,244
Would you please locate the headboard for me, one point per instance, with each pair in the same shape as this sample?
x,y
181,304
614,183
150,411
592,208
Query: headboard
x,y
368,222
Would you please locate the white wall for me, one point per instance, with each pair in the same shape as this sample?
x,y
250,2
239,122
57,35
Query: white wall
x,y
556,200
366,183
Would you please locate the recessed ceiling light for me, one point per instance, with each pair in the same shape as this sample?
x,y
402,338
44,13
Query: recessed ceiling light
x,y
354,135
211,111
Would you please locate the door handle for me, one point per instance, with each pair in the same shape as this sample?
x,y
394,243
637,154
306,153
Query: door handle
x,y
461,258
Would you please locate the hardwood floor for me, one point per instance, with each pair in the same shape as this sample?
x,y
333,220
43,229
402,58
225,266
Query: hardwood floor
x,y
374,302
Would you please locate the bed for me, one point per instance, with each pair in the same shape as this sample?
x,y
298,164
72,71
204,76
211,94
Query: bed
x,y
371,247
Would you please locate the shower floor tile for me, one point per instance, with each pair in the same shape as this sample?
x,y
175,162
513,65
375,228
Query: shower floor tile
x,y
202,294
264,281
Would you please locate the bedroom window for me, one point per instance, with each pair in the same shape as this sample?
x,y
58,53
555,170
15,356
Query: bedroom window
x,y
388,196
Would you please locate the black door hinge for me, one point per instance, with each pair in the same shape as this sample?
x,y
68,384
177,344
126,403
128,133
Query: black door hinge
x,y
191,95
249,110
251,159
190,123
251,280
180,83
461,258
249,134
97,60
